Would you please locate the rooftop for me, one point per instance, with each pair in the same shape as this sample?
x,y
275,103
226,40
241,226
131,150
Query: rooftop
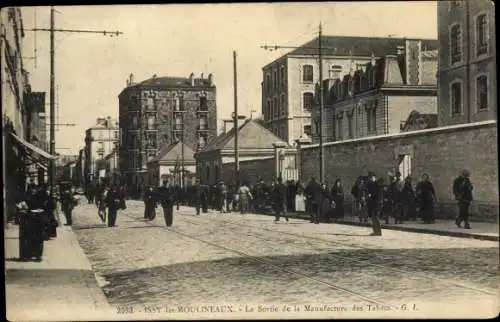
x,y
358,46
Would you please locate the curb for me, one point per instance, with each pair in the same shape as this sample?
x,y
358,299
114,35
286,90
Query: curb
x,y
408,229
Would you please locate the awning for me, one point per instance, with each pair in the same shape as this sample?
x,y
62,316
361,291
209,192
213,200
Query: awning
x,y
36,154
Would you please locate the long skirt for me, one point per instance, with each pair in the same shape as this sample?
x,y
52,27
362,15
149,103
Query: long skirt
x,y
243,203
150,211
31,236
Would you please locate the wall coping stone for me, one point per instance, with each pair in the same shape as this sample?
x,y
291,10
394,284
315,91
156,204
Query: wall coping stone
x,y
406,134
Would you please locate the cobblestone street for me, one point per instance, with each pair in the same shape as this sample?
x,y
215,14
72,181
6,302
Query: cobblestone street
x,y
248,260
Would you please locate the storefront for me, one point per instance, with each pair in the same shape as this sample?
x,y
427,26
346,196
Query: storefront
x,y
24,163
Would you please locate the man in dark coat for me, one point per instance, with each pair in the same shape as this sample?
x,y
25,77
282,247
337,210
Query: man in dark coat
x,y
149,203
374,192
462,189
200,197
115,200
68,202
166,197
426,196
279,199
315,198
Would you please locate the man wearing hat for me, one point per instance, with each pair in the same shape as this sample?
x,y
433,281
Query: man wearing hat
x,y
373,203
462,189
279,196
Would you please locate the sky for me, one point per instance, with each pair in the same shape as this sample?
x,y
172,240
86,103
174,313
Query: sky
x,y
176,40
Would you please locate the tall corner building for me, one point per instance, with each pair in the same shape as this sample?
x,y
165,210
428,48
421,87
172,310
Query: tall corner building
x,y
162,111
467,80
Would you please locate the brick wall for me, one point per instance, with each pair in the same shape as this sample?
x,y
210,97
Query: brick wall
x,y
440,152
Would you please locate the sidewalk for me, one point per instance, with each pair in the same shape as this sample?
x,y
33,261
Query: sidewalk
x,y
480,230
61,287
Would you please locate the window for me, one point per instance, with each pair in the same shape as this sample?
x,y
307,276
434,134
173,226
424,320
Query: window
x,y
456,98
151,122
181,103
150,141
203,123
282,105
307,130
456,44
371,119
275,79
134,120
203,103
482,92
115,135
335,72
317,125
282,76
276,107
269,109
307,73
481,35
202,140
150,103
268,82
133,160
178,124
308,101
350,123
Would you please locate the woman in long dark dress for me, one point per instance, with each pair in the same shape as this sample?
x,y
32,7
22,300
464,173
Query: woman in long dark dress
x,y
33,225
426,196
337,195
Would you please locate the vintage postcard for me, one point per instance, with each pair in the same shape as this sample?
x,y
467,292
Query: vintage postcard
x,y
256,161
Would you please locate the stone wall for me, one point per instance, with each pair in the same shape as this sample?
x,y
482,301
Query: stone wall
x,y
440,152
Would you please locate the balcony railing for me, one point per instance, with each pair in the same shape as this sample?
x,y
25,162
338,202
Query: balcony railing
x,y
178,127
203,127
202,109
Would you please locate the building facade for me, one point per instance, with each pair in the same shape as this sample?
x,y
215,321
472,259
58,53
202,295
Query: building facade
x,y
288,84
378,98
159,112
100,140
261,154
467,62
36,133
15,85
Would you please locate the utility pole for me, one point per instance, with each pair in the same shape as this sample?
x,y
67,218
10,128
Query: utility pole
x,y
52,139
52,147
235,123
320,50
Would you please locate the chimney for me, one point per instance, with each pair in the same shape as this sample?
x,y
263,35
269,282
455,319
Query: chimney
x,y
191,79
131,79
201,76
210,79
400,50
154,76
413,61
